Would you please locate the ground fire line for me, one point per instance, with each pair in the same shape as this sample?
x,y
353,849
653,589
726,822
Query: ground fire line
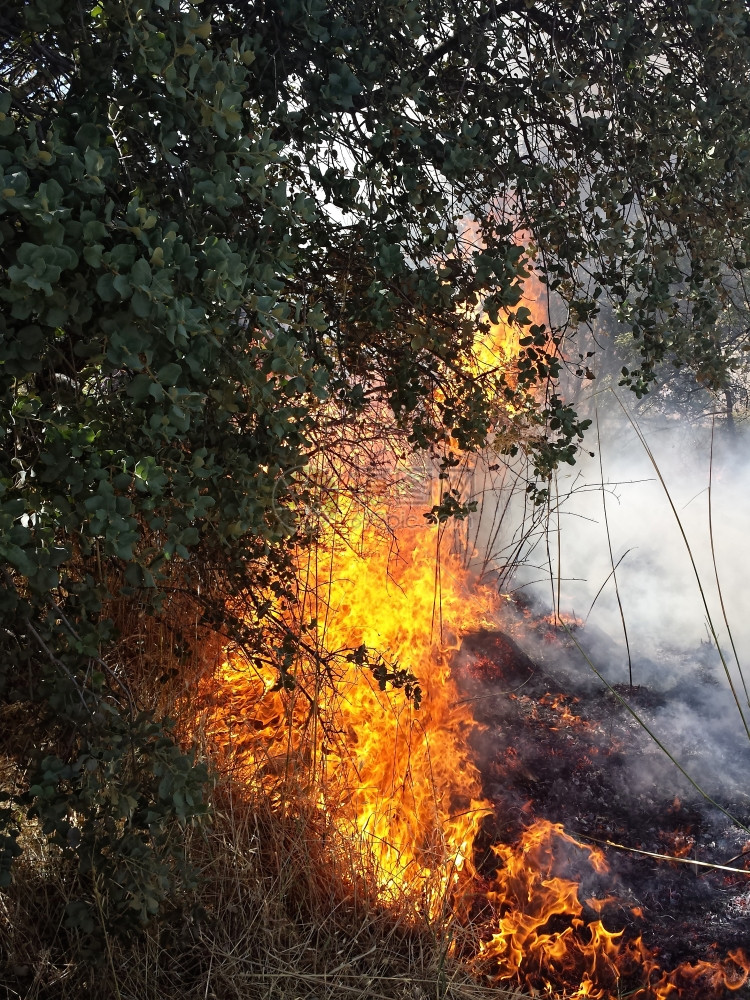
x,y
442,806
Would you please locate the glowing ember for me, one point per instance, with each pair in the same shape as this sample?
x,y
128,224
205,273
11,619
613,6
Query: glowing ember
x,y
561,705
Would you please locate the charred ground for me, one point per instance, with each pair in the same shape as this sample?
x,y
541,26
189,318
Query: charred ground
x,y
552,744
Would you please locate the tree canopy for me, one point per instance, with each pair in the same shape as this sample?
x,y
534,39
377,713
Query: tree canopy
x,y
226,228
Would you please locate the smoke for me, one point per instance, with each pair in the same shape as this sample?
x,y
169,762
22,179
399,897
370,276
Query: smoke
x,y
657,769
640,509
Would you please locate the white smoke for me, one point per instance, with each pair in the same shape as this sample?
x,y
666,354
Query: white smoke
x,y
672,643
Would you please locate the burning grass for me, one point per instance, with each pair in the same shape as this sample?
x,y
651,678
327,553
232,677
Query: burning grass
x,y
397,791
299,894
344,857
396,780
350,853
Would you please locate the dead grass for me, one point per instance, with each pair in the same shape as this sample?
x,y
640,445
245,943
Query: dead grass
x,y
277,914
280,922
273,918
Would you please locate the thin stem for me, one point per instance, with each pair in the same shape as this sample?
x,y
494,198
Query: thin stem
x,y
559,550
666,857
606,581
613,574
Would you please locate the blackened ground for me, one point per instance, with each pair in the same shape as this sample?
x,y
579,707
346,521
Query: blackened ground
x,y
553,745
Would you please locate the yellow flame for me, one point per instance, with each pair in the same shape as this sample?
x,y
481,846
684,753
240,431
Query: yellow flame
x,y
400,784
413,791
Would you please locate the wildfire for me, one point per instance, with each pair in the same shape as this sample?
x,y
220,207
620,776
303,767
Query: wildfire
x,y
542,933
397,781
498,350
383,602
400,784
528,896
413,792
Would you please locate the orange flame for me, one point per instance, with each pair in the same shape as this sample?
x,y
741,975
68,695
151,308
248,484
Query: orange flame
x,y
528,897
399,783
413,791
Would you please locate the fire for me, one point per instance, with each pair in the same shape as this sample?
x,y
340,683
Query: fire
x,y
541,931
680,843
563,620
706,977
560,705
413,792
530,899
497,351
397,781
400,783
383,600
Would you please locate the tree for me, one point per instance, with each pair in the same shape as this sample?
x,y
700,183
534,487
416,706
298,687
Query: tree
x,y
227,226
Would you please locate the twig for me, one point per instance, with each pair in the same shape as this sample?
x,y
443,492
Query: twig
x,y
665,857
97,659
495,694
606,580
59,663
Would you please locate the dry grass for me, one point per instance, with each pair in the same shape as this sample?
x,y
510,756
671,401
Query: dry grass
x,y
277,914
281,922
273,918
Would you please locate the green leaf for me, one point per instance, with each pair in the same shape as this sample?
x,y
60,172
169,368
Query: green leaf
x,y
140,303
140,274
93,256
105,288
169,374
